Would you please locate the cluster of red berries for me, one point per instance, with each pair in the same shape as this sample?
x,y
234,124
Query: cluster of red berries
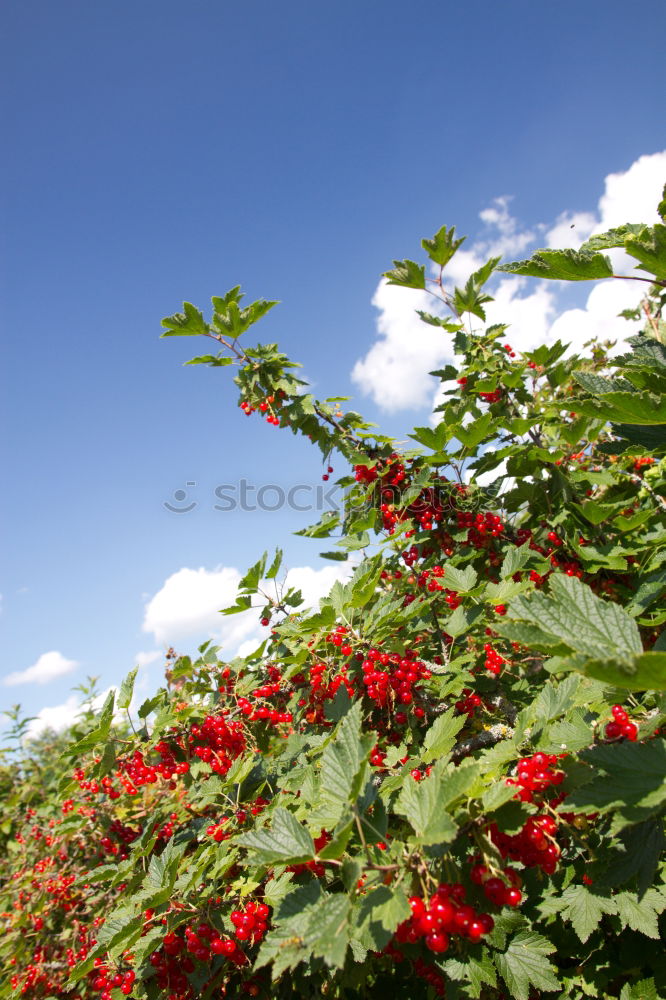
x,y
432,976
468,704
46,975
480,527
443,915
251,923
265,407
621,727
267,692
534,845
537,773
500,891
491,397
509,350
122,833
390,676
493,661
106,980
218,741
642,461
392,477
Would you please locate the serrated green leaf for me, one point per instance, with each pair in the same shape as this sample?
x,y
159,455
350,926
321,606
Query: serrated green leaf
x,y
287,842
189,323
612,237
572,613
127,689
633,782
644,989
476,431
625,408
419,803
442,246
459,579
343,764
649,247
584,908
562,265
440,738
524,964
641,914
514,560
406,273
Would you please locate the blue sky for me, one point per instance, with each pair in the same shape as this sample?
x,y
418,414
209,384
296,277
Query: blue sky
x,y
156,152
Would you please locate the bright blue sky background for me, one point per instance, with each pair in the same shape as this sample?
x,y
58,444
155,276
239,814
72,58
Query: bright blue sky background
x,y
156,151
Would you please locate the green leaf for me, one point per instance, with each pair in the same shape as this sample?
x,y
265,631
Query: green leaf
x,y
641,915
650,249
645,672
440,738
640,847
633,781
470,298
625,408
406,273
644,989
189,323
232,321
514,560
419,803
612,237
127,689
215,360
584,908
562,265
364,581
250,581
274,567
573,614
596,513
318,929
442,246
599,385
524,964
287,842
476,431
458,579
378,914
438,321
343,763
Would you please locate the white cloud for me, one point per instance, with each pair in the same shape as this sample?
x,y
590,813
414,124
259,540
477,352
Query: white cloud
x,y
509,240
49,666
571,229
56,717
64,715
599,318
146,658
632,196
394,370
189,602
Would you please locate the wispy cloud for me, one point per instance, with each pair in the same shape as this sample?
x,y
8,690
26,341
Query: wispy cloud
x,y
47,668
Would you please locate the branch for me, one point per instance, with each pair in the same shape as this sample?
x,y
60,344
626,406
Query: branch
x,y
488,738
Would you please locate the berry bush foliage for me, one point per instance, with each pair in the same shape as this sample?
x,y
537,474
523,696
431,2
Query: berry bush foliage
x,y
449,779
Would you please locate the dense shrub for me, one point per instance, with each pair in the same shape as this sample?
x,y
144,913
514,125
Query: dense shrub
x,y
448,779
